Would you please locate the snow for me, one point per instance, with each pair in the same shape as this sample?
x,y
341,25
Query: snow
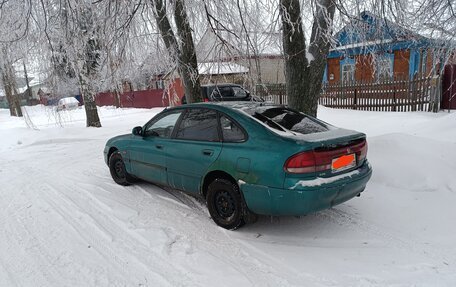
x,y
64,222
362,44
321,180
221,68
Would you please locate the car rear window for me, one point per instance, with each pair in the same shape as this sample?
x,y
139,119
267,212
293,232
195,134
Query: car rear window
x,y
284,119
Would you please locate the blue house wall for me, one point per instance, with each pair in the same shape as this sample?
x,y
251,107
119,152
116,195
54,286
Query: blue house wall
x,y
371,35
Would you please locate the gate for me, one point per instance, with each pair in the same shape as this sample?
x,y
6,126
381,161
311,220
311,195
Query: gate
x,y
449,88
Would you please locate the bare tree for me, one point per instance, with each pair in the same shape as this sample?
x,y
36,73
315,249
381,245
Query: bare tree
x,y
182,50
9,84
87,63
14,27
304,68
75,27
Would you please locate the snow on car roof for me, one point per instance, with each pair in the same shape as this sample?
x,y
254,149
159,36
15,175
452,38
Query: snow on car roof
x,y
68,100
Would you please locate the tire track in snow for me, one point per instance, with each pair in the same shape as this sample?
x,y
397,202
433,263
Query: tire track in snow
x,y
196,234
84,230
249,263
193,238
9,280
19,236
210,239
111,234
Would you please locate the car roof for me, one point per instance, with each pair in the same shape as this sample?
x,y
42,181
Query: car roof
x,y
222,85
249,107
68,99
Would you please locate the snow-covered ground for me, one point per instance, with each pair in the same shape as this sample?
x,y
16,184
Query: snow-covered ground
x,y
64,222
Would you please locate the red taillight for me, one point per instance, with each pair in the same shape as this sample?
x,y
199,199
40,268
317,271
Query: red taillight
x,y
206,100
303,162
362,153
321,159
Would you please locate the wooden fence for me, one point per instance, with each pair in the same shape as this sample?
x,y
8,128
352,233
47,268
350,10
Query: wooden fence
x,y
274,93
417,94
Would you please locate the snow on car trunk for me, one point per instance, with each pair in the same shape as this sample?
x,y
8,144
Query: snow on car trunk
x,y
65,222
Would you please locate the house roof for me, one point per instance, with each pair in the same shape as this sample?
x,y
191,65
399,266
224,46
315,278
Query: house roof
x,y
221,68
370,27
371,33
223,45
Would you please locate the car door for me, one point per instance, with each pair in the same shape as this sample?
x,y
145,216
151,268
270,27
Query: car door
x,y
148,151
195,148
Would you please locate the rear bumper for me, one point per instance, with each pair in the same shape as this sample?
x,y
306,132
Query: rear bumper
x,y
306,197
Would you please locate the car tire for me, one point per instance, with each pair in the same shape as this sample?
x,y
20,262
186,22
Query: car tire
x,y
117,169
225,204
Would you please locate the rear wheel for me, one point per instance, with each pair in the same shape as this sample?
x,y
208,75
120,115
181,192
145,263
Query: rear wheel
x,y
225,204
118,171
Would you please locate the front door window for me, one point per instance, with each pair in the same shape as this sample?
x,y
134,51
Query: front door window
x,y
163,127
148,153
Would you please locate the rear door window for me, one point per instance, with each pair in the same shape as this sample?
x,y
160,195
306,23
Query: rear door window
x,y
200,125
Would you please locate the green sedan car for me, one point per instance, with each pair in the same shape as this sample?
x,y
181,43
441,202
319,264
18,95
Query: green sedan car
x,y
244,159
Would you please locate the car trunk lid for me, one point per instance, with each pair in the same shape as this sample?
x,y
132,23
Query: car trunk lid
x,y
327,153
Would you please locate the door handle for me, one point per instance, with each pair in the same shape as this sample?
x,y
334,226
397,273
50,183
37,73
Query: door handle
x,y
159,146
208,152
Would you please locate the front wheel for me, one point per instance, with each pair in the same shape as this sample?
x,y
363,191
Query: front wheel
x,y
118,171
225,204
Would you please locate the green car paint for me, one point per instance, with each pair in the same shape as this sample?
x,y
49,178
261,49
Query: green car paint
x,y
256,163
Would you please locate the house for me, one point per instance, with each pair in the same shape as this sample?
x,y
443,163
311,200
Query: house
x,y
254,57
209,72
374,49
3,102
29,94
222,72
232,57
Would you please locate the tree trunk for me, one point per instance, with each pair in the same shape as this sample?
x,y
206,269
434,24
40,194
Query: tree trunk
x,y
184,56
114,66
304,76
294,47
9,85
29,95
88,95
88,66
116,97
188,65
319,48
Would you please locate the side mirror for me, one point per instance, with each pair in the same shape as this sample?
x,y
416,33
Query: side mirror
x,y
137,131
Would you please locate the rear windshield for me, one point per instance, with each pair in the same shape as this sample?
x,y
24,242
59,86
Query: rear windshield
x,y
284,119
232,92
